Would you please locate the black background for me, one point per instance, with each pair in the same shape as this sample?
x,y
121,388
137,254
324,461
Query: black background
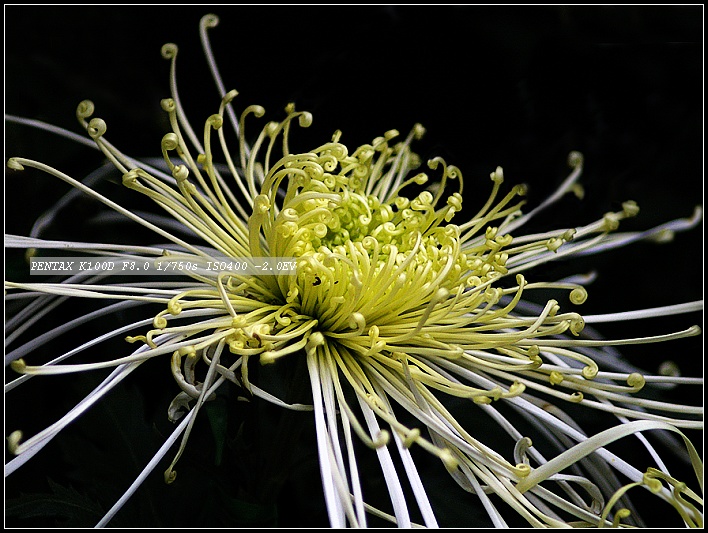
x,y
515,86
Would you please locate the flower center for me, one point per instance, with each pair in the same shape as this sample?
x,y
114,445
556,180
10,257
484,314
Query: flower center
x,y
366,253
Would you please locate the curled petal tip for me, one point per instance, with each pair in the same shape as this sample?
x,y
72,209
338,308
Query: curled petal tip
x,y
13,442
382,439
575,159
169,50
210,21
14,164
96,128
170,475
85,109
18,365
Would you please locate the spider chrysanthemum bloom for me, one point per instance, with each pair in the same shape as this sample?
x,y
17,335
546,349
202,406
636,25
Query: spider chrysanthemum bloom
x,y
397,302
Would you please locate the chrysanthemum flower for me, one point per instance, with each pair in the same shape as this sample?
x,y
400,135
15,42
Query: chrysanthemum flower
x,y
396,304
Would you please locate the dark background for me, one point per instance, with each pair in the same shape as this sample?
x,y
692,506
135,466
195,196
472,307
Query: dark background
x,y
511,86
